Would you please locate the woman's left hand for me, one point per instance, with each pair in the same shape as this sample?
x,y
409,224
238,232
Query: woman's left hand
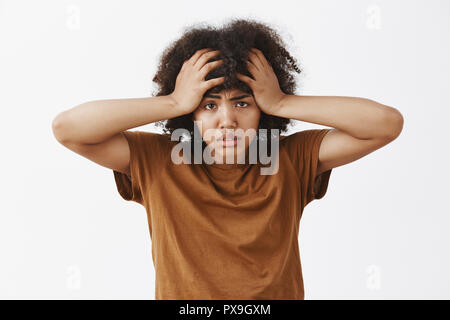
x,y
265,87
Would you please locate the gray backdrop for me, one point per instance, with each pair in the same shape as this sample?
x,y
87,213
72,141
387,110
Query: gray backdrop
x,y
380,232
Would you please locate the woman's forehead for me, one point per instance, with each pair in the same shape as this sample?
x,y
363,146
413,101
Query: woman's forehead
x,y
224,92
232,90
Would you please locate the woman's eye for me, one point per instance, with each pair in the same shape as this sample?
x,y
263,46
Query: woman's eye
x,y
206,106
246,104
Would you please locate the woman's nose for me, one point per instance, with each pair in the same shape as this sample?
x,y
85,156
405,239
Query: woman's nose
x,y
228,117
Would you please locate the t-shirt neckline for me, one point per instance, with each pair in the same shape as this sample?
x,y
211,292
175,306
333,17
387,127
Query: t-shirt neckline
x,y
228,166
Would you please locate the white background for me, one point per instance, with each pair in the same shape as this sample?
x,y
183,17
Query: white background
x,y
380,232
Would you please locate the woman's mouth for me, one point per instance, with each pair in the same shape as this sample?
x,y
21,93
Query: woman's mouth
x,y
229,142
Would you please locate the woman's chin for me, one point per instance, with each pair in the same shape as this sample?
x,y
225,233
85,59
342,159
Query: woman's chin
x,y
232,155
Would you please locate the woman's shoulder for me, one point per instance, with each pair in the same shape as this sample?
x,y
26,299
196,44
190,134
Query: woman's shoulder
x,y
149,143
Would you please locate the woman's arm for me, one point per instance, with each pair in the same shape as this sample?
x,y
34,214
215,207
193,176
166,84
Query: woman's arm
x,y
360,117
94,129
361,126
96,121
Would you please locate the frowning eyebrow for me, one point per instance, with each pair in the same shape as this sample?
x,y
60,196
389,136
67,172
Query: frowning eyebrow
x,y
234,98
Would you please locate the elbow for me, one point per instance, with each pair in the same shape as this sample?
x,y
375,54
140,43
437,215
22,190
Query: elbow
x,y
58,128
393,123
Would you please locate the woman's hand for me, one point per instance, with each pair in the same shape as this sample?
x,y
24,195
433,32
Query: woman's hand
x,y
190,84
265,87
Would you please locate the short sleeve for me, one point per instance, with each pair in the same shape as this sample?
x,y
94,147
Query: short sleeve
x,y
146,157
303,148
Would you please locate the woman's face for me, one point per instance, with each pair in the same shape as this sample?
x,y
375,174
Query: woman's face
x,y
224,113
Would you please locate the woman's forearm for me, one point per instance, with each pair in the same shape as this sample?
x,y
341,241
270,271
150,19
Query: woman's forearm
x,y
360,117
95,121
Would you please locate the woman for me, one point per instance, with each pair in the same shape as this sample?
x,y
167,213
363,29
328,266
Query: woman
x,y
220,229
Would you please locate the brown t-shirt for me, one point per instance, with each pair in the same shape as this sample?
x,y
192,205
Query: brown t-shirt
x,y
224,231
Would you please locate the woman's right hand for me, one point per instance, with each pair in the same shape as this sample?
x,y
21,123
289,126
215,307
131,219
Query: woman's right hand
x,y
190,84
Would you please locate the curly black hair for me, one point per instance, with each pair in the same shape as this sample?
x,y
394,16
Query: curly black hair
x,y
234,40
